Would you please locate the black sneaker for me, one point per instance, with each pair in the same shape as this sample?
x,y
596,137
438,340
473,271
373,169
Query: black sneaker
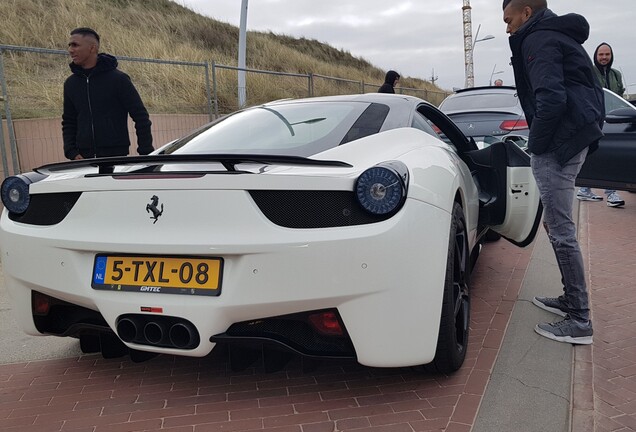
x,y
568,331
551,304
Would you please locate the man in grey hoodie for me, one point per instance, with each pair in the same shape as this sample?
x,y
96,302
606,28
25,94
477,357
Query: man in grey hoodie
x,y
612,80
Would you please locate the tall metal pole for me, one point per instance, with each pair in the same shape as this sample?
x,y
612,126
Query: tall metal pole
x,y
241,54
468,44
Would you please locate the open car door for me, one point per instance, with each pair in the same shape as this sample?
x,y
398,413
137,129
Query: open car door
x,y
509,197
509,201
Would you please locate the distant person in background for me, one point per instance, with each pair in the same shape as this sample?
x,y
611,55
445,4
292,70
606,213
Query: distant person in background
x,y
498,82
390,81
612,80
97,100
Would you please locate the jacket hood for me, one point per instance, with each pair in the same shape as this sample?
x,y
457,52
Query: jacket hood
x,y
600,66
105,62
573,25
390,77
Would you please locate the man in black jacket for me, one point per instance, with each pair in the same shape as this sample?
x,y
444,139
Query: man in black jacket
x,y
390,81
97,100
564,107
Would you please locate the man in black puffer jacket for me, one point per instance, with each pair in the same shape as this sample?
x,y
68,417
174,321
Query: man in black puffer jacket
x,y
564,107
390,81
97,100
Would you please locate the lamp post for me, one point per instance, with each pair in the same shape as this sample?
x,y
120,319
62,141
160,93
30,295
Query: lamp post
x,y
485,38
470,76
241,54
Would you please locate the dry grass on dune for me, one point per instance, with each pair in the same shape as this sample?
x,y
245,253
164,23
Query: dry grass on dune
x,y
162,29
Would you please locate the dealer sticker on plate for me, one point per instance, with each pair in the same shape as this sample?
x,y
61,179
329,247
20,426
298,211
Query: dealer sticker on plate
x,y
168,275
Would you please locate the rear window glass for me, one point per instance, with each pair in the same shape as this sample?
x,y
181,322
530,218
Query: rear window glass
x,y
295,129
479,101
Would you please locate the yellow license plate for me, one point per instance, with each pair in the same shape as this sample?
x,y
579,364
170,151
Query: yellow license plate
x,y
168,275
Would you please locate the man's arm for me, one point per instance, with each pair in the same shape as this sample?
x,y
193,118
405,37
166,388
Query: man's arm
x,y
619,81
544,64
69,126
135,107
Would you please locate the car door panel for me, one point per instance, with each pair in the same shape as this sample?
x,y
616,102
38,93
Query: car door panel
x,y
611,166
509,197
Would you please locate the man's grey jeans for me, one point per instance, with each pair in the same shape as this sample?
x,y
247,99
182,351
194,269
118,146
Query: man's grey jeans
x,y
556,186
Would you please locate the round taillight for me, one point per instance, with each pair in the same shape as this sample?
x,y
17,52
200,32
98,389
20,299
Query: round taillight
x,y
381,190
15,194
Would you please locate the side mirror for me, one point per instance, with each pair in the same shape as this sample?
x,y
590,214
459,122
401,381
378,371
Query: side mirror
x,y
621,115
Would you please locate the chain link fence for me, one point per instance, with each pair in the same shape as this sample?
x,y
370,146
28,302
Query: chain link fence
x,y
179,95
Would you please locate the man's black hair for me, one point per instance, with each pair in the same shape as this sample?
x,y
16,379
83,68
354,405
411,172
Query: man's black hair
x,y
85,31
534,4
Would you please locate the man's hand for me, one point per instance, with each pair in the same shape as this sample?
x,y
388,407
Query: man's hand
x,y
78,157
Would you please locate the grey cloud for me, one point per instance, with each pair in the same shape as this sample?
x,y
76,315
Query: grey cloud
x,y
415,36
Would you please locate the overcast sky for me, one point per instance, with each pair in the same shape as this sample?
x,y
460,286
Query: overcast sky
x,y
416,37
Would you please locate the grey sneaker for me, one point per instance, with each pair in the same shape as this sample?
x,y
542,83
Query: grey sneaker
x,y
614,200
586,194
568,331
551,304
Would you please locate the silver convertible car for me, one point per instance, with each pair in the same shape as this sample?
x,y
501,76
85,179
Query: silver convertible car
x,y
328,227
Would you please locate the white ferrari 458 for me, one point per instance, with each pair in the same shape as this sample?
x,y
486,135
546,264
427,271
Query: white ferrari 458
x,y
342,226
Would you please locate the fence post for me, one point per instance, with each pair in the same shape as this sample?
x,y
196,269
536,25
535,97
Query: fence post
x,y
7,110
207,91
361,87
5,165
216,99
3,152
310,83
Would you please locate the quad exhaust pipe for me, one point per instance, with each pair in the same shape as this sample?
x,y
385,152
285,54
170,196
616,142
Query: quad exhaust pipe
x,y
168,332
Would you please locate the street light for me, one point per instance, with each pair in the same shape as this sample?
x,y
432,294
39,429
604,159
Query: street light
x,y
470,76
485,38
494,73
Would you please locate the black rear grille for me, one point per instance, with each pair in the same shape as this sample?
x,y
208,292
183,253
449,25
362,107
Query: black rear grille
x,y
312,209
66,319
47,209
296,334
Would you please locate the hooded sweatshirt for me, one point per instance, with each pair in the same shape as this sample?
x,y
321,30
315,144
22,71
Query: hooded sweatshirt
x,y
389,79
560,95
609,78
97,102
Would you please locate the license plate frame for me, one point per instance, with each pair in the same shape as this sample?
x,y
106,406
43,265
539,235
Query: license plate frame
x,y
162,274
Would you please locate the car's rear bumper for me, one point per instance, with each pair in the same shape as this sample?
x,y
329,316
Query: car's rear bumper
x,y
384,279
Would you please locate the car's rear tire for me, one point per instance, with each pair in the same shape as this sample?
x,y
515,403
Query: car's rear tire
x,y
452,340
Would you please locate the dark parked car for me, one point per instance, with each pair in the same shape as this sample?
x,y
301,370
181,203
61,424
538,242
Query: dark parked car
x,y
486,113
492,114
617,149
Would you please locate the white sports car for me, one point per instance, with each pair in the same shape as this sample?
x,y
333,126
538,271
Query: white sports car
x,y
341,226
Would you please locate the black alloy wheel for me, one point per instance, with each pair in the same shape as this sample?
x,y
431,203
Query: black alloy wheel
x,y
452,341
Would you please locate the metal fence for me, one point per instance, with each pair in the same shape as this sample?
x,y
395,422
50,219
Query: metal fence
x,y
177,102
